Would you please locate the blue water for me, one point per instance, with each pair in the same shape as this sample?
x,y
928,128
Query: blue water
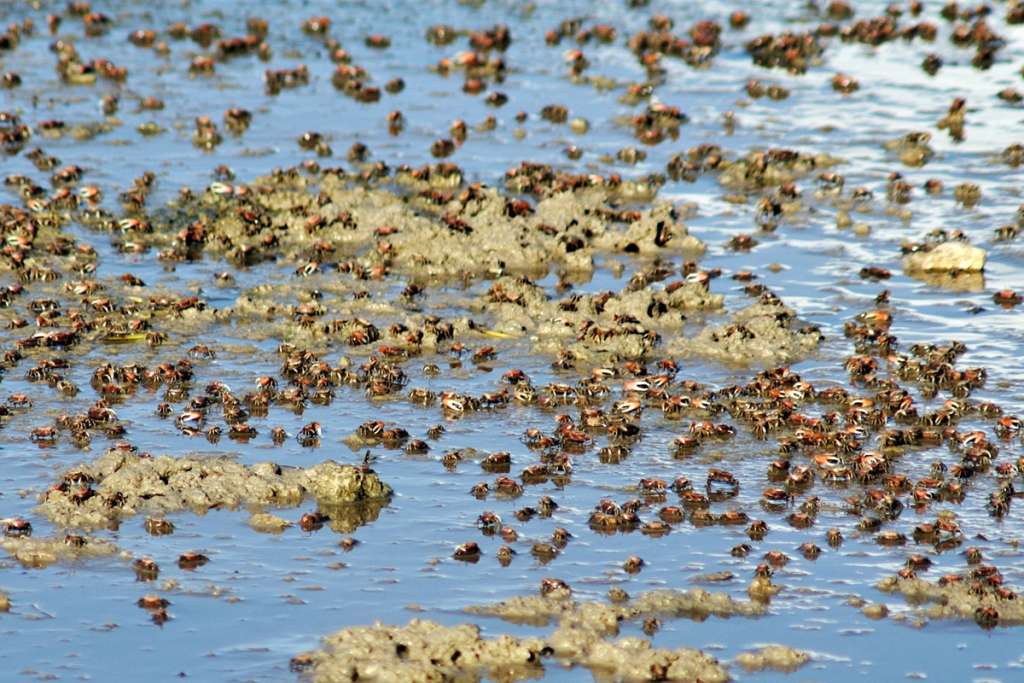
x,y
264,598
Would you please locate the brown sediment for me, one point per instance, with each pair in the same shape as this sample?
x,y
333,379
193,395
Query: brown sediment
x,y
769,168
426,651
766,333
626,323
539,610
954,281
268,523
693,604
713,577
875,610
633,659
962,598
38,553
5,602
913,148
532,610
420,652
775,657
123,483
435,234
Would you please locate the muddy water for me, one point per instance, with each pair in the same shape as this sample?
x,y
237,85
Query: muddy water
x,y
263,598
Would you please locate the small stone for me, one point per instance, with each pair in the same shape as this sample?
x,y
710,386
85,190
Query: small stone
x,y
875,610
948,256
776,657
268,523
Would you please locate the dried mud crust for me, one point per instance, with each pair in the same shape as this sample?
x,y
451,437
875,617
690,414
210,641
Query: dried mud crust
x,y
767,333
478,231
122,483
37,553
963,598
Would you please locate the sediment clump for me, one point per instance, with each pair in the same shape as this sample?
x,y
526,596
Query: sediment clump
x,y
537,610
540,610
122,483
627,323
694,604
421,652
758,170
776,657
332,222
978,596
268,523
634,659
425,651
38,553
766,332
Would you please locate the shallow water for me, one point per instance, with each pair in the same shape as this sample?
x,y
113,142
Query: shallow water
x,y
264,598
